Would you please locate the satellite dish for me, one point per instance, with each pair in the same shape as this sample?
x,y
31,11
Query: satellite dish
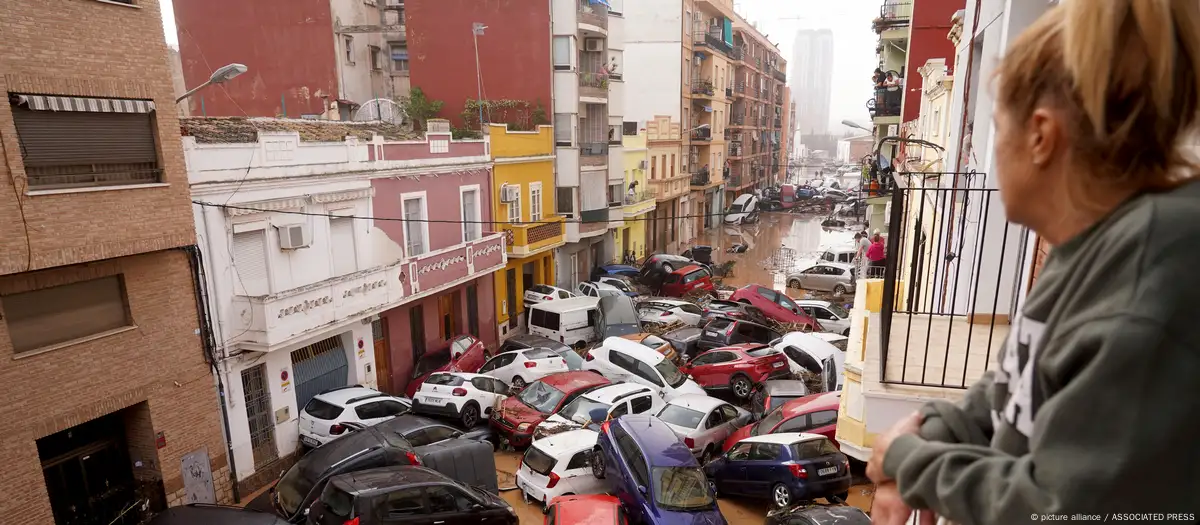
x,y
382,110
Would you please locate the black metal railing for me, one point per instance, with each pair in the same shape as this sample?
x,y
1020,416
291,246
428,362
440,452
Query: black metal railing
x,y
714,39
92,175
738,53
701,134
950,257
702,87
896,10
887,103
591,149
700,178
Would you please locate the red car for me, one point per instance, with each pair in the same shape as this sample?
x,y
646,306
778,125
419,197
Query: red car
x,y
774,304
738,368
592,509
520,414
815,414
464,354
686,280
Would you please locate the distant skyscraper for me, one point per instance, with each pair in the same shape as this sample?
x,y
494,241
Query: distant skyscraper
x,y
812,80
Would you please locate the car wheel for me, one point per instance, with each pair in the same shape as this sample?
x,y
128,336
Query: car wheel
x,y
781,497
668,268
706,457
843,496
741,386
597,463
839,290
518,384
470,416
794,283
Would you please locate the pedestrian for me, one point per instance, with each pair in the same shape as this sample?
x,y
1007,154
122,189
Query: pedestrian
x,y
876,257
860,245
1091,407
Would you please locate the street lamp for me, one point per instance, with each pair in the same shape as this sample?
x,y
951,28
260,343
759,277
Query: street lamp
x,y
702,126
852,124
220,76
477,30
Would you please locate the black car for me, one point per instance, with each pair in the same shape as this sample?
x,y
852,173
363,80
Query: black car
x,y
617,317
203,514
684,340
733,310
527,341
401,494
774,393
699,253
397,441
818,515
725,331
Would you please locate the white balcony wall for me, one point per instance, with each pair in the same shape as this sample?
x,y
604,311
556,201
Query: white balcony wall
x,y
616,31
616,165
616,101
593,191
566,92
566,164
563,14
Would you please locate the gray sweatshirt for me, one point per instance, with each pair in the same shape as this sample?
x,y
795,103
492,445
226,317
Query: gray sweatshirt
x,y
1093,406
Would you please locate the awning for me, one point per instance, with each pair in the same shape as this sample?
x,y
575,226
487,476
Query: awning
x,y
94,105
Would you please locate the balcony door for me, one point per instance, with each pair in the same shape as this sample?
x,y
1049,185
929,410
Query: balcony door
x,y
448,314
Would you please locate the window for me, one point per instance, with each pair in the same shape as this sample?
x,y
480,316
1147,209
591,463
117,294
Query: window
x,y
405,502
765,451
446,499
416,230
535,201
250,263
399,58
614,194
341,241
741,452
629,128
822,418
428,435
563,124
562,53
471,228
376,58
579,460
564,201
640,404
71,142
796,424
653,166
672,165
514,207
473,310
814,448
647,372
416,320
379,409
348,42
49,316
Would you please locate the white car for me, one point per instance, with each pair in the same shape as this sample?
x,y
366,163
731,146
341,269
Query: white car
x,y
325,417
542,292
468,398
601,289
744,209
832,316
597,406
703,423
559,465
620,283
521,367
667,311
808,353
838,340
624,360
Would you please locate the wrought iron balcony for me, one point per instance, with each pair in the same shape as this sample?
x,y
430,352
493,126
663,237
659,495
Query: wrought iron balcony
x,y
702,134
702,87
700,178
593,14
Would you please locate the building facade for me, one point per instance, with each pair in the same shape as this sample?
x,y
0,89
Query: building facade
x,y
522,193
320,272
631,239
708,95
812,80
758,112
669,187
106,373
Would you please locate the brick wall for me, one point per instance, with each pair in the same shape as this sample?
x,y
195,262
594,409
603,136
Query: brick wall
x,y
99,49
159,362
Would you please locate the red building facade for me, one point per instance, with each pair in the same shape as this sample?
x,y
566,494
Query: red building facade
x,y
927,39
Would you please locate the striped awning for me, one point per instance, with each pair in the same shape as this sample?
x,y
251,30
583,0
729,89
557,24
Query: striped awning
x,y
94,105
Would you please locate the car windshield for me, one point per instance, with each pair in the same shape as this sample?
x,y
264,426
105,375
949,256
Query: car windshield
x,y
539,461
337,501
670,373
681,488
541,397
444,380
760,352
620,285
583,410
778,401
838,310
768,422
653,341
430,363
680,416
814,448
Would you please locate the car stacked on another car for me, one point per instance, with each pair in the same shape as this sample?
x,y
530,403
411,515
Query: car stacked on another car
x,y
543,292
655,343
526,341
586,510
519,367
460,396
624,360
732,310
465,353
838,278
724,331
599,405
520,414
334,413
558,465
814,414
406,494
599,289
776,305
738,368
786,468
832,316
688,280
775,393
664,311
808,353
702,423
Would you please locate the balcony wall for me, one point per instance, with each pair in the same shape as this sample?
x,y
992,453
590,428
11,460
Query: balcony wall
x,y
566,167
528,239
566,92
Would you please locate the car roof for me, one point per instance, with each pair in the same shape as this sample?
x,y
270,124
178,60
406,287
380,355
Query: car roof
x,y
665,300
657,441
829,337
812,302
465,375
614,314
587,509
783,387
572,381
565,305
637,350
839,265
812,344
813,403
833,515
387,477
342,396
743,198
568,442
205,514
407,422
785,438
617,267
740,348
699,402
534,341
607,393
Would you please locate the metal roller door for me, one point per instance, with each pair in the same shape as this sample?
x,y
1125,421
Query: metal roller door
x,y
319,367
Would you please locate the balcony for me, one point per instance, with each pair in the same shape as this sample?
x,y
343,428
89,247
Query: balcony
x,y
638,203
739,88
735,150
593,86
738,54
703,87
887,103
274,321
713,39
593,153
778,123
729,92
779,75
701,135
779,99
737,119
593,14
527,239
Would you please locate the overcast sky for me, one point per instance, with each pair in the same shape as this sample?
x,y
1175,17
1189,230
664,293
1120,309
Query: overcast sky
x,y
853,42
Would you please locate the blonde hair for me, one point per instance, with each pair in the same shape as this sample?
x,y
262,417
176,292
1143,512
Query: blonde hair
x,y
1126,74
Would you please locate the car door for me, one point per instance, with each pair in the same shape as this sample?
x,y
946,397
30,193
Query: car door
x,y
733,420
641,403
475,355
578,475
764,298
796,424
763,468
449,505
403,506
623,366
712,427
810,279
498,366
733,480
673,285
487,394
648,375
701,368
790,307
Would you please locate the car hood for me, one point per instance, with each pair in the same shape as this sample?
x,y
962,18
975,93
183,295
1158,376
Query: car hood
x,y
512,409
688,387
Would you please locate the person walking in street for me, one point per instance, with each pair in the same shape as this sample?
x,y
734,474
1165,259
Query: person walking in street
x,y
1092,407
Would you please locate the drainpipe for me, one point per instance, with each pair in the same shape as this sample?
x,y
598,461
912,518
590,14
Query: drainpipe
x,y
196,261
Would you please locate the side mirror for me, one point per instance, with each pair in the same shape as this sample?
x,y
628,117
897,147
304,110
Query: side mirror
x,y
476,508
306,511
456,434
642,489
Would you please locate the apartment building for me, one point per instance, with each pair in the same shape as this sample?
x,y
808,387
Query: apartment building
x,y
589,97
106,375
632,239
758,112
522,194
669,187
708,97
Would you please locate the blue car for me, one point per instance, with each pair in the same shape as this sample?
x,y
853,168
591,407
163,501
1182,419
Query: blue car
x,y
613,270
653,474
788,467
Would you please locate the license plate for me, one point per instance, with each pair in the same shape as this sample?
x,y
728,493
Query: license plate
x,y
710,333
309,441
433,401
827,471
778,365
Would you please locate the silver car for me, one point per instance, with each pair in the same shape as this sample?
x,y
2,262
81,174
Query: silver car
x,y
832,316
703,422
824,277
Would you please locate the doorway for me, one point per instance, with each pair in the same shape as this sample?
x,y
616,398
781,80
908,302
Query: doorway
x,y
624,244
259,415
510,286
88,475
383,356
448,315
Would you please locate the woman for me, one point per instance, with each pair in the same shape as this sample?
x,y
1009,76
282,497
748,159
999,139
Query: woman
x,y
876,257
1092,407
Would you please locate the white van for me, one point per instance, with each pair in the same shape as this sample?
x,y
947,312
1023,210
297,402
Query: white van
x,y
571,322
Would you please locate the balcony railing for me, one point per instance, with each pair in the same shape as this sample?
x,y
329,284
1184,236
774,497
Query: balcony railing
x,y
735,149
700,178
737,120
779,75
778,123
896,10
524,239
951,261
712,39
739,88
593,14
702,134
738,53
637,196
702,87
594,85
886,103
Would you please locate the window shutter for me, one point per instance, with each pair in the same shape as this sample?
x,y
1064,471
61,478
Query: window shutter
x,y
49,316
341,235
67,138
250,262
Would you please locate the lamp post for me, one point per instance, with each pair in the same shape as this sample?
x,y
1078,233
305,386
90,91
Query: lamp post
x,y
853,124
477,30
220,76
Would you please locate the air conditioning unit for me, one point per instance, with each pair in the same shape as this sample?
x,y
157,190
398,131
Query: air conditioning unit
x,y
294,236
593,44
509,193
642,165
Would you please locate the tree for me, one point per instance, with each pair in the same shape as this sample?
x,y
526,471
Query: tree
x,y
421,108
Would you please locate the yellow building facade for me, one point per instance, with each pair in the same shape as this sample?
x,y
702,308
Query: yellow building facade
x,y
523,206
639,200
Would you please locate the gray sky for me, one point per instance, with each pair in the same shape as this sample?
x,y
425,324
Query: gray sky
x,y
853,43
